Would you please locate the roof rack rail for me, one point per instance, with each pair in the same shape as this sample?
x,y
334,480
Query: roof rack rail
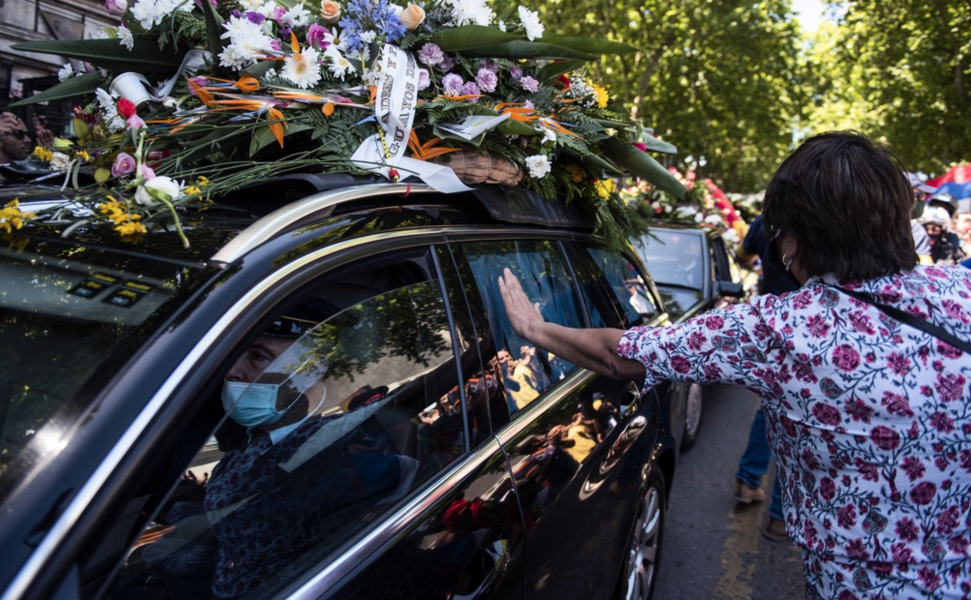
x,y
317,205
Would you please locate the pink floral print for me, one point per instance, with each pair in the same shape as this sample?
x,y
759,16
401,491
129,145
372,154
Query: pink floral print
x,y
869,419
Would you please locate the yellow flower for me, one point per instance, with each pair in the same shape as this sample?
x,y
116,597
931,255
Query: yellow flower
x,y
602,96
192,190
131,228
83,155
604,187
576,172
12,218
43,153
202,181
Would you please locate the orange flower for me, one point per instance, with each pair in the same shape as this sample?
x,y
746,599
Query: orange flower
x,y
276,127
327,109
248,84
427,151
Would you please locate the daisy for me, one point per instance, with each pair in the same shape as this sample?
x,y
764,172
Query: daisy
x,y
66,72
339,65
530,21
126,38
302,69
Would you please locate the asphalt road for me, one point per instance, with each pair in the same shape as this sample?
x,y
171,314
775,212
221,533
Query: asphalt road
x,y
713,546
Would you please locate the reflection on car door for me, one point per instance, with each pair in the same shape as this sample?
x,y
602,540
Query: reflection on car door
x,y
578,446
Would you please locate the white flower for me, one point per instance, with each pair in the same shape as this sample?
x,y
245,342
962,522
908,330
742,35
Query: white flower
x,y
170,102
731,236
667,208
160,186
368,36
501,25
713,219
66,72
270,74
530,21
699,218
60,161
303,69
474,12
298,16
548,135
100,34
126,38
684,212
339,65
252,5
539,166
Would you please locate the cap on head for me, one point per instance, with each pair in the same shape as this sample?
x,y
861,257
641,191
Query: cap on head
x,y
945,201
918,184
936,215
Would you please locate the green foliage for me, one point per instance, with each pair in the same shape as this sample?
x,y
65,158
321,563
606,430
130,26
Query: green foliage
x,y
721,80
899,71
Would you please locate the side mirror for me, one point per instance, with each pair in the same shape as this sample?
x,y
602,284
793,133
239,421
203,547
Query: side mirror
x,y
729,288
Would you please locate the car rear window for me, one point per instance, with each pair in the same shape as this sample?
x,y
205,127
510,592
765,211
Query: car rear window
x,y
70,315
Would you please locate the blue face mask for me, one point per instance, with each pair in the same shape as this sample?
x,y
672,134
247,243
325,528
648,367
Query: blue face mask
x,y
252,404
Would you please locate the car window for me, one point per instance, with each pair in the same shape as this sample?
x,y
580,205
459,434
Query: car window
x,y
70,314
674,258
525,371
340,407
627,284
726,269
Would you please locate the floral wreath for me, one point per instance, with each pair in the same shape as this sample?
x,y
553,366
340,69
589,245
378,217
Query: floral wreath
x,y
246,90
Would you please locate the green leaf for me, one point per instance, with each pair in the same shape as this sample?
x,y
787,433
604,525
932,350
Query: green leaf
x,y
259,69
517,49
608,124
642,165
655,145
510,127
589,45
75,86
594,165
555,69
144,57
446,135
471,37
214,28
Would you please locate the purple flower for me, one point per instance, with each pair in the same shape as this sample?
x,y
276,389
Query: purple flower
x,y
528,104
453,84
431,54
515,73
116,8
316,34
491,65
255,17
486,80
447,63
146,172
423,79
124,164
276,45
529,84
470,89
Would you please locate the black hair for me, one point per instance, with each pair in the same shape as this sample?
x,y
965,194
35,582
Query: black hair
x,y
847,204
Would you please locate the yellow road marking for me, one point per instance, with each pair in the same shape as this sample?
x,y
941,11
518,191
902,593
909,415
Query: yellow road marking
x,y
740,552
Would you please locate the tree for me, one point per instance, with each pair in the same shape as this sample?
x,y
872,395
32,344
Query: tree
x,y
720,80
900,71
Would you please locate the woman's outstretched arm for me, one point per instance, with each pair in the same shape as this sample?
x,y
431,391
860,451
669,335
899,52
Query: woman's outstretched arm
x,y
594,349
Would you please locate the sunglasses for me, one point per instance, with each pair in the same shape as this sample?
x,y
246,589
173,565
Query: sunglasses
x,y
19,134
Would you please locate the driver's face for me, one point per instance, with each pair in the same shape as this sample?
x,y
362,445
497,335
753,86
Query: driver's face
x,y
257,358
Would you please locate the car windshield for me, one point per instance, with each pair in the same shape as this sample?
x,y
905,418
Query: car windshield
x,y
674,257
70,315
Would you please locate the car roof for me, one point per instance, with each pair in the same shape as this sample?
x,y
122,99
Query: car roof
x,y
239,222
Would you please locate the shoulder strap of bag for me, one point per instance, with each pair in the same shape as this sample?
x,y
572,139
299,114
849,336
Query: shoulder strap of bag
x,y
910,319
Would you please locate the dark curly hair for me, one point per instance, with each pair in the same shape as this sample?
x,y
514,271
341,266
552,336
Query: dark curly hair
x,y
847,204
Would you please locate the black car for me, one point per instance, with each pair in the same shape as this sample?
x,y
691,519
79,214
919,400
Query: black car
x,y
694,271
402,441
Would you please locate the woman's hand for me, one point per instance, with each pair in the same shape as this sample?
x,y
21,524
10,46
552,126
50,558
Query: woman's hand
x,y
519,309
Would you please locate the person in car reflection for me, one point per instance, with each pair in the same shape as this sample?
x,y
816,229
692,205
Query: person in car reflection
x,y
867,413
292,485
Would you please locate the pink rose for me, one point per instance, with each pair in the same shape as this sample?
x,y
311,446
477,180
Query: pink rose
x,y
135,122
146,172
116,8
124,164
316,36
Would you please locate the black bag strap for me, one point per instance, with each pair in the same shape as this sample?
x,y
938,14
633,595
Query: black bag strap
x,y
910,319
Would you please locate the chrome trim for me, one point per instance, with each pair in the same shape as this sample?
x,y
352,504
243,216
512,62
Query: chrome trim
x,y
524,418
284,218
350,559
60,529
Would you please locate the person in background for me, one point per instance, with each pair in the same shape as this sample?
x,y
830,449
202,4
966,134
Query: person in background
x,y
867,415
945,244
14,138
755,460
962,227
922,244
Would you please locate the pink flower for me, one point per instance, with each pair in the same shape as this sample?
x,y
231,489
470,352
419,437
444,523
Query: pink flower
x,y
924,493
529,84
124,164
907,529
135,122
846,358
680,364
885,438
199,81
146,172
827,414
276,45
640,146
116,8
316,36
913,467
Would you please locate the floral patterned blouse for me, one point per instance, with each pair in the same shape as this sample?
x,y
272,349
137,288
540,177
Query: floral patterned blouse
x,y
869,420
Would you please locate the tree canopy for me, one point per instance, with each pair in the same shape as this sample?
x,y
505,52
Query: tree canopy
x,y
900,71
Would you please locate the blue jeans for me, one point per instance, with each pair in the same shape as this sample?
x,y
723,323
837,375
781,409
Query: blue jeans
x,y
755,462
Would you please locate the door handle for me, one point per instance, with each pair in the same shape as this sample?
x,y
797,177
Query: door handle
x,y
487,564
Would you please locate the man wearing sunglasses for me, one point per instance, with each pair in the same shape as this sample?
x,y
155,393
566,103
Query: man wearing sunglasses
x,y
14,138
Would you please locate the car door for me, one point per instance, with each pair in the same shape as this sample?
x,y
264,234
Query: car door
x,y
577,442
365,467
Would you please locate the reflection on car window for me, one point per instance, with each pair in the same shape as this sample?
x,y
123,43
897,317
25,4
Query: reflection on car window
x,y
674,258
336,411
627,284
526,371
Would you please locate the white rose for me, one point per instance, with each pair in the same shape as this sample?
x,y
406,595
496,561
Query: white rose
x,y
160,186
60,161
539,166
